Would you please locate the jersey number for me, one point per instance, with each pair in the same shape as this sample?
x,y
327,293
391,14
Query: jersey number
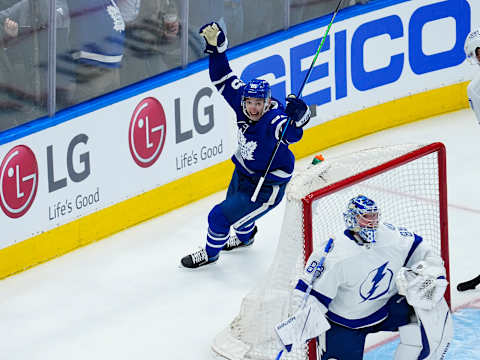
x,y
237,84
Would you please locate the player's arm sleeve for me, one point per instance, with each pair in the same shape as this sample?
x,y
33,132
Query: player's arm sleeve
x,y
421,251
474,99
292,134
326,282
225,80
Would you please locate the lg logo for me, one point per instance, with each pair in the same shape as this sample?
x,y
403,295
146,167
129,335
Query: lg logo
x,y
147,132
19,175
18,181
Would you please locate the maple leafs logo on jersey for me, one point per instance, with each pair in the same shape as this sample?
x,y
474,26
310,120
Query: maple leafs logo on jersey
x,y
246,147
114,12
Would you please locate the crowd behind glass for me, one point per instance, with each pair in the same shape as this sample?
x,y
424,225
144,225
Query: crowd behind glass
x,y
99,46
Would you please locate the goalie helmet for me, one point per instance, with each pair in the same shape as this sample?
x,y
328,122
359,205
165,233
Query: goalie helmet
x,y
258,89
362,217
471,44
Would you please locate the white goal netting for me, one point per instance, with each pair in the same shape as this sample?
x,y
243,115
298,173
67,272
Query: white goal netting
x,y
404,180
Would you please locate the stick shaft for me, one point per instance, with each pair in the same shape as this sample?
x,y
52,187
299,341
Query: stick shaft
x,y
270,161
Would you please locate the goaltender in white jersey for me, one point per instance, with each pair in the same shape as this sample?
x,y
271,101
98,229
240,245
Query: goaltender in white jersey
x,y
377,277
472,50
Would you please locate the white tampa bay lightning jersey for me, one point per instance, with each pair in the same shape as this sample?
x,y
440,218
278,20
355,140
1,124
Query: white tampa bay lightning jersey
x,y
473,91
357,281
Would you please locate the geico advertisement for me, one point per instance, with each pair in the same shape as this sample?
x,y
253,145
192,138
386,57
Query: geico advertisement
x,y
372,58
99,159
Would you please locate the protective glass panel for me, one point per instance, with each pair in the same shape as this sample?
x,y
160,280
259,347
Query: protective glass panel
x,y
304,10
243,20
152,38
23,61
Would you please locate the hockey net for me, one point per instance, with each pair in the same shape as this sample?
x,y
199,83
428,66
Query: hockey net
x,y
408,182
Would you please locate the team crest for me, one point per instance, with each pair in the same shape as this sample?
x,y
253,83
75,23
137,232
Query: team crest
x,y
377,283
247,148
114,12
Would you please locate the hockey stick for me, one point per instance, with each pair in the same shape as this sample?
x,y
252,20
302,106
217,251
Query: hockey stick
x,y
469,285
262,179
316,275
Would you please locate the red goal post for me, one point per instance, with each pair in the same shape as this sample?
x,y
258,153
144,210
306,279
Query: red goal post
x,y
408,182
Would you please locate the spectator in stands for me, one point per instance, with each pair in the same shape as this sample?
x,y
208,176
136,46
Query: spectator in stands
x,y
234,18
200,13
152,41
129,9
9,108
269,17
24,37
97,44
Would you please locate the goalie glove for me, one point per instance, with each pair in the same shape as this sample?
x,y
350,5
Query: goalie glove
x,y
307,323
298,111
423,285
215,39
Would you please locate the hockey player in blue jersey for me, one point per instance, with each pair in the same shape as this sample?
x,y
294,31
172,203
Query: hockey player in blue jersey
x,y
260,120
377,277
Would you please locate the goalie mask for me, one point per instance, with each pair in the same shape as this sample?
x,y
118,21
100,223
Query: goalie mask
x,y
471,44
256,99
362,217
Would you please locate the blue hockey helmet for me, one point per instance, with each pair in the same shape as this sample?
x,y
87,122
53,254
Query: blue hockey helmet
x,y
258,89
362,216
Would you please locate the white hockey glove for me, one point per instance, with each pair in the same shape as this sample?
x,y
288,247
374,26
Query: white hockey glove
x,y
307,323
215,38
423,285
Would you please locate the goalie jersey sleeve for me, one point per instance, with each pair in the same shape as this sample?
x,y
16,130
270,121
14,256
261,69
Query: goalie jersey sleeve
x,y
473,91
256,140
357,281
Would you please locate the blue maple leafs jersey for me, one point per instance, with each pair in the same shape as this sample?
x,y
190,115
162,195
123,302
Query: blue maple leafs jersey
x,y
256,140
97,32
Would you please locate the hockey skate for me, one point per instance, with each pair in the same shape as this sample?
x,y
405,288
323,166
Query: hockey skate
x,y
197,259
234,243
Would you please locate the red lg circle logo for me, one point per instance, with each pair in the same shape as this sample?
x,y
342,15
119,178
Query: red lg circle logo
x,y
18,181
147,131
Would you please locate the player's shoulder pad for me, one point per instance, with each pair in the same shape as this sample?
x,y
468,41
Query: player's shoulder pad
x,y
337,254
402,231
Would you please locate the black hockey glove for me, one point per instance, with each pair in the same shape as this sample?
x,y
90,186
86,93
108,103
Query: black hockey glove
x,y
297,110
215,39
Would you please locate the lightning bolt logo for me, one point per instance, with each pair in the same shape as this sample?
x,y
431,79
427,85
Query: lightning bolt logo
x,y
377,283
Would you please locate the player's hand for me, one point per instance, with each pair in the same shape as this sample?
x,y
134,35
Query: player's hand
x,y
10,27
215,38
298,111
423,285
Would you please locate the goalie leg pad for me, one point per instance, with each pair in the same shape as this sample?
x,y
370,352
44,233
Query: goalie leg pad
x,y
410,342
429,339
437,330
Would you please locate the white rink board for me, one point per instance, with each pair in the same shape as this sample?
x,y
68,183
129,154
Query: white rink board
x,y
100,165
113,174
